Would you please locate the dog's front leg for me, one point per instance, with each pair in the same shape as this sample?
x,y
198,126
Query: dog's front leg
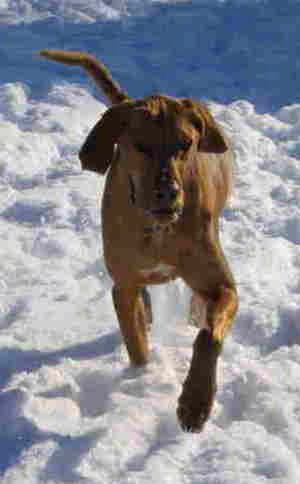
x,y
133,319
197,397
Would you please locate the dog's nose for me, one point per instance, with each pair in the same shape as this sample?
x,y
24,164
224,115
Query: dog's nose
x,y
167,193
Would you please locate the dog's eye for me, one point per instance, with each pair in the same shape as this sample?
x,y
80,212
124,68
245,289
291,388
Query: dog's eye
x,y
146,150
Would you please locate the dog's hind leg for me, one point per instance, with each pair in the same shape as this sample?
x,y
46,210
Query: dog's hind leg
x,y
133,315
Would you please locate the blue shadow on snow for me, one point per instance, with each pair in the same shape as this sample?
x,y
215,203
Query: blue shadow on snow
x,y
221,51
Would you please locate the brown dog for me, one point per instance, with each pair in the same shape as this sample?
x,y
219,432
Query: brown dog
x,y
170,175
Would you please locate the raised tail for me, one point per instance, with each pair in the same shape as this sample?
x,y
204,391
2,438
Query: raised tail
x,y
95,68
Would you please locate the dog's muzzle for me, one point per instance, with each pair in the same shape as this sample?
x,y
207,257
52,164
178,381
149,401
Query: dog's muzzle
x,y
167,203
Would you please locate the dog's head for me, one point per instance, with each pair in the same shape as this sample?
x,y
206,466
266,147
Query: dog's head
x,y
157,138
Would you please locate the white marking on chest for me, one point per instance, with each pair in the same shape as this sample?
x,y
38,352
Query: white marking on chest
x,y
161,269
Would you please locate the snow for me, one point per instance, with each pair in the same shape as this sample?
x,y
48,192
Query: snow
x,y
13,12
71,407
208,49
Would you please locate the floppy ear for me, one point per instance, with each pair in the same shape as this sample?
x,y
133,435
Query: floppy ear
x,y
97,151
212,139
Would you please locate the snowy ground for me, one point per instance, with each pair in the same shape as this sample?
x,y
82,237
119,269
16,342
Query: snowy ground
x,y
71,408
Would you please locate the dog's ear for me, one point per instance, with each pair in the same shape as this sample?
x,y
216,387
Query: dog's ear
x,y
212,139
97,151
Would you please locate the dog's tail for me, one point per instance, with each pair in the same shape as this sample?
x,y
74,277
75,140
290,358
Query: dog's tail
x,y
95,68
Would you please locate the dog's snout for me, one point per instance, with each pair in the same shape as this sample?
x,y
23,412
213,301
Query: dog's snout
x,y
167,192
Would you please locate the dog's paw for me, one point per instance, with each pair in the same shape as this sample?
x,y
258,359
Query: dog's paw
x,y
193,416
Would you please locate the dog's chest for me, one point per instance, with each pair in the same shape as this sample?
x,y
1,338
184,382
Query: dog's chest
x,y
158,240
161,270
157,250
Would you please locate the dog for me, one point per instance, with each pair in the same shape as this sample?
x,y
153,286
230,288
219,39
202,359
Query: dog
x,y
170,175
